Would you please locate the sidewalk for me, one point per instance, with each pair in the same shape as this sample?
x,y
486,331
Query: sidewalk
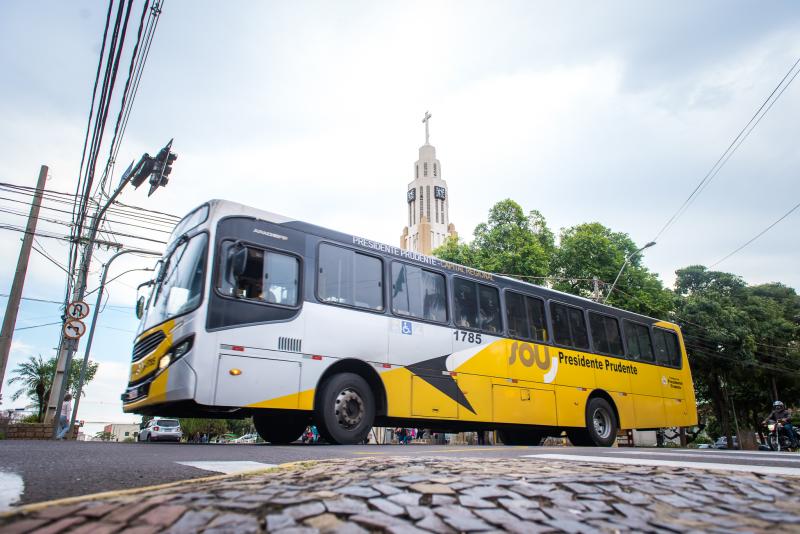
x,y
404,495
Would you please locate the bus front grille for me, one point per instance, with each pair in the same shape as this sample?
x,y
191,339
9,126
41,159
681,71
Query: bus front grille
x,y
147,345
289,344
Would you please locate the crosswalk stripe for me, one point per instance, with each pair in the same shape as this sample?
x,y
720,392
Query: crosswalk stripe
x,y
228,468
761,469
759,457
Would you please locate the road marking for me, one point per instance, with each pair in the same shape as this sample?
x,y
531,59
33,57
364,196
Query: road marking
x,y
11,488
761,469
228,468
761,457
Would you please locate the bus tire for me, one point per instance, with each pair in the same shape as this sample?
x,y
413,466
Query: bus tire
x,y
278,430
601,422
345,409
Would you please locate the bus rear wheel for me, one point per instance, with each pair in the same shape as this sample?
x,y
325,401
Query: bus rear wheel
x,y
601,426
279,430
345,409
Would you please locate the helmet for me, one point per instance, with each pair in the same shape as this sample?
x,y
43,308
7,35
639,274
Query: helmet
x,y
777,404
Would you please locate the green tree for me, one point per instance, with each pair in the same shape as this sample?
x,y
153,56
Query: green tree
x,y
195,426
509,242
35,376
592,250
742,343
105,436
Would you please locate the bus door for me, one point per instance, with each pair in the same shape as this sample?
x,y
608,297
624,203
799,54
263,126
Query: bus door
x,y
668,357
646,383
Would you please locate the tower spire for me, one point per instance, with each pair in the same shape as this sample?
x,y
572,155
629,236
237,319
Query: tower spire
x,y
425,120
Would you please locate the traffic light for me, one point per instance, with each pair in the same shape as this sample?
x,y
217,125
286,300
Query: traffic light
x,y
162,167
142,170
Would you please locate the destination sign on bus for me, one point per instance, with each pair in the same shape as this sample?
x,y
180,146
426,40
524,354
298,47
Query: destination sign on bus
x,y
416,256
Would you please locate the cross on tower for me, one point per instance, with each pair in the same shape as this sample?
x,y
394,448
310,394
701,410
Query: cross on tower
x,y
425,120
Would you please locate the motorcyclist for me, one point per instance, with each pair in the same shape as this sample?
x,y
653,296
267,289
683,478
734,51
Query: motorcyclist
x,y
781,415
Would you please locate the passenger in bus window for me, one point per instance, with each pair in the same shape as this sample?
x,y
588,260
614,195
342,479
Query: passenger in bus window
x,y
466,314
488,310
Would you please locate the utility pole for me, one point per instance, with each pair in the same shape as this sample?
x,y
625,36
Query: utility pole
x,y
10,319
596,294
157,170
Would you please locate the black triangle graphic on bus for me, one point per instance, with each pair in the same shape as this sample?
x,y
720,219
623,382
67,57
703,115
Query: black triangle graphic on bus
x,y
432,371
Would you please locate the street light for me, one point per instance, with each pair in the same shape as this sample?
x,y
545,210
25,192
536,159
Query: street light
x,y
627,259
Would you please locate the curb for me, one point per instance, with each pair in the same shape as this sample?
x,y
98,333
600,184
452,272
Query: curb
x,y
34,507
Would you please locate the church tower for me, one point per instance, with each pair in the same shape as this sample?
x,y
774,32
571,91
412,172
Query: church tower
x,y
428,203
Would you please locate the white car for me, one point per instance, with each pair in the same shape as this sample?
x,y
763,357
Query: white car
x,y
247,438
161,430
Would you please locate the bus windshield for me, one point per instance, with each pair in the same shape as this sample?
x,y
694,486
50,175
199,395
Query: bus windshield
x,y
179,286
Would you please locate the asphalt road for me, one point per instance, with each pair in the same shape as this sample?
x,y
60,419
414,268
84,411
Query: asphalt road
x,y
51,470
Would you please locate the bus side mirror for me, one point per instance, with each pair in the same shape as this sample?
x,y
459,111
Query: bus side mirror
x,y
140,307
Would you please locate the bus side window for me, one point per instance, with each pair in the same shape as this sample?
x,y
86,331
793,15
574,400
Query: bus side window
x,y
667,351
639,343
518,326
466,309
561,333
256,274
605,334
347,277
537,319
489,309
418,293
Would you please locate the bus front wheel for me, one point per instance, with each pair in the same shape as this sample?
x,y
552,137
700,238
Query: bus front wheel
x,y
345,409
278,430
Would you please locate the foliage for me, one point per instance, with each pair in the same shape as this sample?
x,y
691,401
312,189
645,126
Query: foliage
x,y
743,343
510,242
30,419
35,376
105,436
196,427
592,250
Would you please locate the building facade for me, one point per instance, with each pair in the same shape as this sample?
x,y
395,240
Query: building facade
x,y
428,200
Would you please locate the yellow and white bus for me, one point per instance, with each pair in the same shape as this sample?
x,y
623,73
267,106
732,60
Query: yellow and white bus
x,y
253,313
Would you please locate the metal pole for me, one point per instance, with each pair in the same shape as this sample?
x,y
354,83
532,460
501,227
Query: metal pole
x,y
96,312
627,259
12,307
69,347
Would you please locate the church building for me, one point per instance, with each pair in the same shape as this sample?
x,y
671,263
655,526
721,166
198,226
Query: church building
x,y
427,197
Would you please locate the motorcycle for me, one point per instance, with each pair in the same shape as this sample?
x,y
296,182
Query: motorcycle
x,y
777,439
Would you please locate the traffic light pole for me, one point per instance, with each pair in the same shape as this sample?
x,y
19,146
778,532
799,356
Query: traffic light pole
x,y
146,166
70,346
90,336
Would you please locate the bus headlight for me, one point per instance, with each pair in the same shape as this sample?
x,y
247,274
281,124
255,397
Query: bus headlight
x,y
175,353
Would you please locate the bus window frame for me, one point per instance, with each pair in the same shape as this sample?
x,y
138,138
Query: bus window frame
x,y
500,304
677,342
625,340
546,317
590,348
446,322
218,270
624,355
383,311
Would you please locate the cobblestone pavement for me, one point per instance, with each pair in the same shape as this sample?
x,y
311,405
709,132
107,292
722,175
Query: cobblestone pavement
x,y
400,495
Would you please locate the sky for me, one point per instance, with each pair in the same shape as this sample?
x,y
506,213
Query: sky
x,y
605,111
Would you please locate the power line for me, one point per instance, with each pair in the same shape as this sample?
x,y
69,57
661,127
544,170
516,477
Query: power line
x,y
762,232
743,134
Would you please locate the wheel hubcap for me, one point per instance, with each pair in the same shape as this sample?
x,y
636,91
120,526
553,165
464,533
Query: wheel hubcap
x,y
602,423
349,408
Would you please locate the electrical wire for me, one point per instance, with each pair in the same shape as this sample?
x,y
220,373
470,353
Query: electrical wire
x,y
735,144
762,232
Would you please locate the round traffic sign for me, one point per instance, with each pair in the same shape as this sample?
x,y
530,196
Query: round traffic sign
x,y
77,310
74,328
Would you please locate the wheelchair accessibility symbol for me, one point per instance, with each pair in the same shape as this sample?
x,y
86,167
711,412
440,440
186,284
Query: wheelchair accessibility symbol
x,y
406,328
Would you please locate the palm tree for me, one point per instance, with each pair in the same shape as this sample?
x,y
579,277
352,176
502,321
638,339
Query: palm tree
x,y
35,376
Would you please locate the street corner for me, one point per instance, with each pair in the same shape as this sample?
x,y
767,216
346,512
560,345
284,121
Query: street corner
x,y
403,494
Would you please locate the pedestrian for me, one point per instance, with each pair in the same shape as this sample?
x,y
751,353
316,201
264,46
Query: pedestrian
x,y
66,412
